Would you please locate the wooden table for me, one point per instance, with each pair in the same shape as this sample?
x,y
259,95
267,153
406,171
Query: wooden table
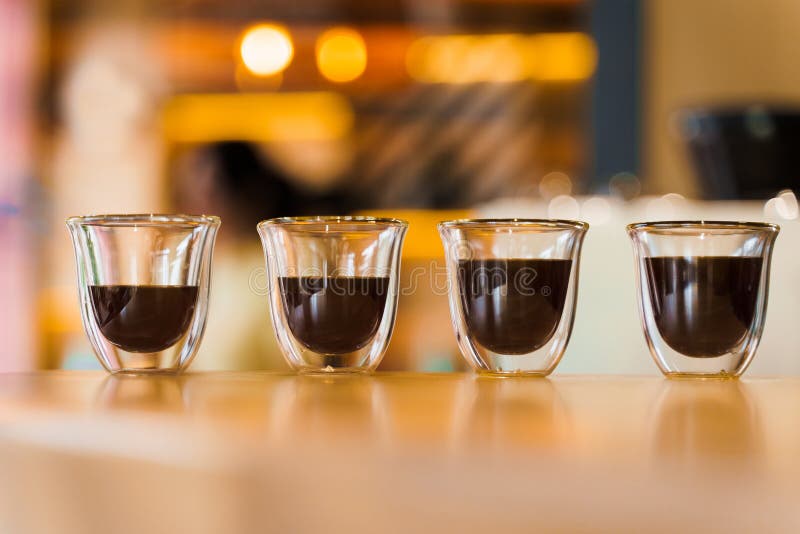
x,y
256,452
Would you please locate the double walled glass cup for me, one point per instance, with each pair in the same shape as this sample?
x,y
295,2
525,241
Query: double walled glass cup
x,y
333,288
513,287
143,283
703,293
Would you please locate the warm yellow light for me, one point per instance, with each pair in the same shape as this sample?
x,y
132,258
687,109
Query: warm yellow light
x,y
563,56
468,58
417,59
444,59
266,49
341,54
502,58
258,117
422,241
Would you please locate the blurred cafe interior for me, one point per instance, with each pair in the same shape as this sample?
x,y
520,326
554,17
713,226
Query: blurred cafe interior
x,y
608,111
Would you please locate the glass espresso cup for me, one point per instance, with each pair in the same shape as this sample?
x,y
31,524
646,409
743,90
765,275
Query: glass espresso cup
x,y
143,282
703,293
513,287
333,287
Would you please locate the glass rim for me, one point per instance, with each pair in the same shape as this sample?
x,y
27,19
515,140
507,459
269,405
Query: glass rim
x,y
364,220
703,225
560,224
144,219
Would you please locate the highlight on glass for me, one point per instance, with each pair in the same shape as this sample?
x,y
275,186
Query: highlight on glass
x,y
513,289
333,288
703,293
143,282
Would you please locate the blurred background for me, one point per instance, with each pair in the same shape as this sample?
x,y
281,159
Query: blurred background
x,y
611,111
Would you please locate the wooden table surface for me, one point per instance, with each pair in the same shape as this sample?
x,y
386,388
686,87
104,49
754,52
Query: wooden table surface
x,y
255,452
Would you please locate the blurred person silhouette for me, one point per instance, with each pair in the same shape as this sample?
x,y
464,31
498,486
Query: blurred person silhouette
x,y
233,180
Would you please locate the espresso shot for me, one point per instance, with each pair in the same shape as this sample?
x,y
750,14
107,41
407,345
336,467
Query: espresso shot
x,y
143,283
514,285
334,315
513,306
704,306
703,292
333,289
143,318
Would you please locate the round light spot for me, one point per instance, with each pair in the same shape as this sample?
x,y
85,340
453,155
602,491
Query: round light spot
x,y
266,49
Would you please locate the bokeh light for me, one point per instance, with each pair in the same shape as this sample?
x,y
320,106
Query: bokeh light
x,y
561,57
341,54
266,49
596,210
563,207
258,117
782,206
661,209
554,184
458,59
677,200
625,185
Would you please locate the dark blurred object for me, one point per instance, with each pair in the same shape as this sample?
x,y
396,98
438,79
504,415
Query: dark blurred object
x,y
748,152
236,181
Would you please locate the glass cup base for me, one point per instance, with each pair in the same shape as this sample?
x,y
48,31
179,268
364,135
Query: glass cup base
x,y
165,362
676,365
538,363
329,370
722,375
146,371
328,364
512,374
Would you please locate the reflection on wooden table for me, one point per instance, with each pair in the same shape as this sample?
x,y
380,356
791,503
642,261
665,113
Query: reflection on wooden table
x,y
244,452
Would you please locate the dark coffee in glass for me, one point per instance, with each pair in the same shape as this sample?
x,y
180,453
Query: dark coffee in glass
x,y
143,318
703,306
513,306
334,315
